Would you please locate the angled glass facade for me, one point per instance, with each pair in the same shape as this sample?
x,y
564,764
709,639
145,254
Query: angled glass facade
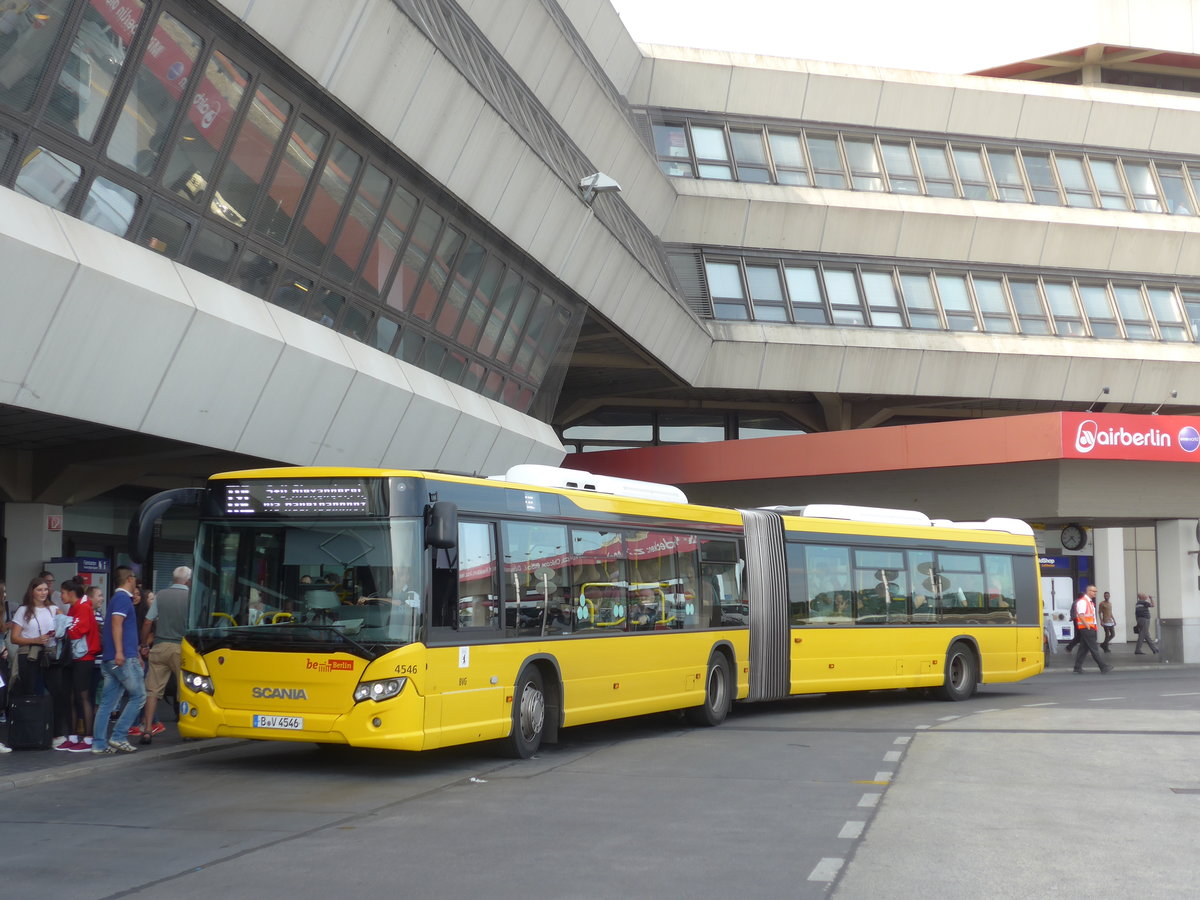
x,y
160,123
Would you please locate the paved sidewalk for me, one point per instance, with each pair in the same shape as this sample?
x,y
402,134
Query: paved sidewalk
x,y
26,767
1119,655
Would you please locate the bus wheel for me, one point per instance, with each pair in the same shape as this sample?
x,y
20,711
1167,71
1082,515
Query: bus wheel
x,y
961,673
528,715
717,694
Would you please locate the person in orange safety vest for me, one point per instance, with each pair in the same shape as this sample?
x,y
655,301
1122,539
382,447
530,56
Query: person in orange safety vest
x,y
1085,625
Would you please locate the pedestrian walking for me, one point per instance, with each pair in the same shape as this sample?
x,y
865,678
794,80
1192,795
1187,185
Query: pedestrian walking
x,y
1107,622
1141,627
121,666
1085,618
162,632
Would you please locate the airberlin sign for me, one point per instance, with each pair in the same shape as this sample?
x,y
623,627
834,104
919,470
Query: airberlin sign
x,y
1111,436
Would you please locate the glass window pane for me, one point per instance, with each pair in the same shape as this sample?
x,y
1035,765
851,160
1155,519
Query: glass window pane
x,y
933,161
670,140
764,283
724,279
1130,303
327,307
438,273
971,174
917,292
252,149
27,39
109,206
880,289
48,178
841,287
93,61
683,427
212,254
720,173
709,142
385,333
827,161
293,292
953,291
990,294
505,300
897,159
1166,311
802,284
291,178
864,164
382,255
786,151
516,324
1007,174
1170,175
541,317
326,202
748,147
1095,301
1064,308
402,292
461,285
1104,171
254,273
356,323
208,118
1141,182
1041,178
627,426
358,224
481,301
162,77
164,233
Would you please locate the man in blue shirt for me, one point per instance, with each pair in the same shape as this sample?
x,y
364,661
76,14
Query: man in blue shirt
x,y
121,666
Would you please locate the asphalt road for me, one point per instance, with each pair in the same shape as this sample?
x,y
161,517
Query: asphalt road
x,y
846,796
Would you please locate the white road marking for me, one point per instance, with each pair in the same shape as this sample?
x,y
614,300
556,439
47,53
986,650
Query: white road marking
x,y
852,830
921,727
1100,699
869,800
892,756
1049,703
883,776
1182,694
826,869
948,718
902,740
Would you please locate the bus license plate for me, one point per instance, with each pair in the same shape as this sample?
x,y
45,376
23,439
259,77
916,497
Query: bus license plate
x,y
292,723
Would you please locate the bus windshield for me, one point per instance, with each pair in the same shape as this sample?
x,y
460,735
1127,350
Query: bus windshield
x,y
307,582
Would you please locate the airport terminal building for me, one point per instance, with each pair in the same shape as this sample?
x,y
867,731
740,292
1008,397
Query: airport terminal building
x,y
467,235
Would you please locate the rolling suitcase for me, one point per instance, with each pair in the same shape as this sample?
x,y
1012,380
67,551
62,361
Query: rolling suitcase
x,y
30,722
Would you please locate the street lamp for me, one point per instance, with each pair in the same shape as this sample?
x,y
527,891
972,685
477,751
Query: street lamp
x,y
596,183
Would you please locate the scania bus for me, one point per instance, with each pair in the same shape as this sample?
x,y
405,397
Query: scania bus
x,y
415,610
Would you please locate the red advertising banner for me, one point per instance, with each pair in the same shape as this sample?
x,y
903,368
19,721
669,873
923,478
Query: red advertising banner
x,y
1129,437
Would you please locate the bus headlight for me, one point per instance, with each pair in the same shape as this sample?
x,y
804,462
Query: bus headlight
x,y
201,684
379,690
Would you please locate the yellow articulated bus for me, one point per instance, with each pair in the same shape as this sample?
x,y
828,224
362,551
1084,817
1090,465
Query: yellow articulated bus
x,y
414,610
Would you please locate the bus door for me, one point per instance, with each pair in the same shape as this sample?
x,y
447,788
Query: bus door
x,y
466,660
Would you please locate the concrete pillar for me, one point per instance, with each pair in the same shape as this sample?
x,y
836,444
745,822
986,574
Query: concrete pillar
x,y
1108,552
1178,601
30,542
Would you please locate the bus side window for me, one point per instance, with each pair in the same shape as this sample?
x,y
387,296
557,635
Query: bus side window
x,y
797,589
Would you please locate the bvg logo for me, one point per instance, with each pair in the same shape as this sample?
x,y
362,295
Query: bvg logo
x,y
1085,437
330,665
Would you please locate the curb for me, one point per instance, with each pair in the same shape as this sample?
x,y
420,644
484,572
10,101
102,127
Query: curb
x,y
62,773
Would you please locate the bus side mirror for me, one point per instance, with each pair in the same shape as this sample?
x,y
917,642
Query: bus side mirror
x,y
441,525
141,527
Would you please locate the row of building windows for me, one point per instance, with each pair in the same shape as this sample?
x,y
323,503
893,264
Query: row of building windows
x,y
133,117
621,429
819,157
825,292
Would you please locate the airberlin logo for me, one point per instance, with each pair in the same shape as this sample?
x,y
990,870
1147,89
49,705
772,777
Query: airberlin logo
x,y
1090,436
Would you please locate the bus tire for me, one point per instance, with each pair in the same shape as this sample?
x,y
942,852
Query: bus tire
x,y
528,715
717,694
962,673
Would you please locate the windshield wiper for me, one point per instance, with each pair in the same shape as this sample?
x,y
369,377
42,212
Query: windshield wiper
x,y
323,626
